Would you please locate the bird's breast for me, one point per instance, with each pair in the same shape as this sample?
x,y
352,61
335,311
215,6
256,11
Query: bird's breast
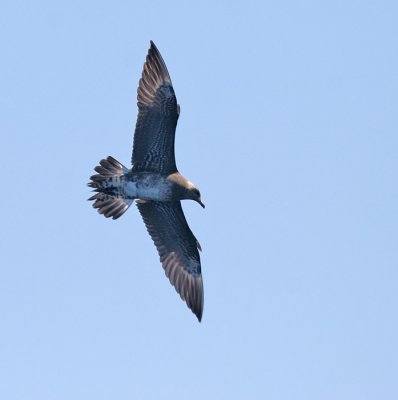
x,y
147,186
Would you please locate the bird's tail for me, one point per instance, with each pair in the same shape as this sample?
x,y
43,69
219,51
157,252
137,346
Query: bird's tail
x,y
108,184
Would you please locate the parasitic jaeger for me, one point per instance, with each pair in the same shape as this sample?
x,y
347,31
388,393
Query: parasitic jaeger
x,y
155,184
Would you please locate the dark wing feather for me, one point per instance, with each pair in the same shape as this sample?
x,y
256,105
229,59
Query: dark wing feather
x,y
153,149
177,248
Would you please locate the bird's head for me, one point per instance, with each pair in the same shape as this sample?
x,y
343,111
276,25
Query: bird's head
x,y
194,194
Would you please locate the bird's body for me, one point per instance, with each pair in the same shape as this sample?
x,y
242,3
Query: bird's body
x,y
148,186
155,183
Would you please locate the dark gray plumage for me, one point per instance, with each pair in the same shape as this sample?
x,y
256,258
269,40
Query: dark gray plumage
x,y
153,148
155,183
177,248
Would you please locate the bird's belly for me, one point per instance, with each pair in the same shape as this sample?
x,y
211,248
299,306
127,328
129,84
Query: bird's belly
x,y
148,187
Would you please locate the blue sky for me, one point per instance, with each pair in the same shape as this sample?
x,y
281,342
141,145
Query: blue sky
x,y
289,127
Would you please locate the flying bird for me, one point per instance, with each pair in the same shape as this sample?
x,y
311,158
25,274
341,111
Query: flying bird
x,y
155,184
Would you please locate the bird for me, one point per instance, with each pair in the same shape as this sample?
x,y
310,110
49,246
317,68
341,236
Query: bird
x,y
154,183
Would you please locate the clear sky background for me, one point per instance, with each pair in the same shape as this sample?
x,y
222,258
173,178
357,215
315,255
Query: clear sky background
x,y
288,125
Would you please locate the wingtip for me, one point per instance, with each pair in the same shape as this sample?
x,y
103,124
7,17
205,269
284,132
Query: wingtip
x,y
199,317
152,45
194,300
155,51
195,303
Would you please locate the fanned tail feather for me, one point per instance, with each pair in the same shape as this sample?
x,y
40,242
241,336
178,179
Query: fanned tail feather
x,y
108,183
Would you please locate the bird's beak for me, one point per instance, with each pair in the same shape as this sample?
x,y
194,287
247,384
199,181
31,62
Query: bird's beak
x,y
200,202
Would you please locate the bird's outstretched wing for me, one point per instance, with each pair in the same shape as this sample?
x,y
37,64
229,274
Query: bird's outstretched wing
x,y
177,248
153,149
